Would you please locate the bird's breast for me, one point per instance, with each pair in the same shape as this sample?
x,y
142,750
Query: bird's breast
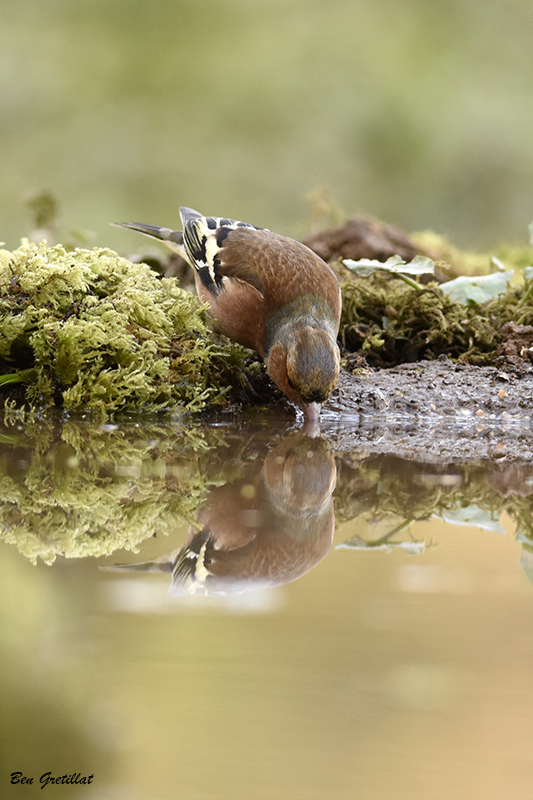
x,y
239,311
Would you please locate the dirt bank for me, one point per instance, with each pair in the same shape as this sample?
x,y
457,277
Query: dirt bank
x,y
433,411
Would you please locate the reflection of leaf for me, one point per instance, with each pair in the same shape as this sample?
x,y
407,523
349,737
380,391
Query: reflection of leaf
x,y
413,548
478,289
384,542
526,562
420,265
473,515
356,543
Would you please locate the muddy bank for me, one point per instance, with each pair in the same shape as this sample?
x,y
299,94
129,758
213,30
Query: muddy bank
x,y
434,411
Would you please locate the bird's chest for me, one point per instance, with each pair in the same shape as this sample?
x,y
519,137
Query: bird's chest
x,y
239,311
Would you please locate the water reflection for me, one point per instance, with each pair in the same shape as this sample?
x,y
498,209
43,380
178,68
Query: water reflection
x,y
387,495
294,689
267,528
258,500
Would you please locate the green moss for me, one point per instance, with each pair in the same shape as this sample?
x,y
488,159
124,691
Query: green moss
x,y
90,330
392,323
515,257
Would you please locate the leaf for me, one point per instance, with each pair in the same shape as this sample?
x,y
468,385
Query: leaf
x,y
473,515
497,263
526,562
12,377
420,265
478,289
528,273
413,548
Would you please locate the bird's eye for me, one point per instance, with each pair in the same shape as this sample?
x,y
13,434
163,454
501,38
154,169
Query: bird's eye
x,y
291,384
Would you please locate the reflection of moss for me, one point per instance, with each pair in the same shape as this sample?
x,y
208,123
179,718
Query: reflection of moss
x,y
88,329
385,487
381,490
77,489
521,510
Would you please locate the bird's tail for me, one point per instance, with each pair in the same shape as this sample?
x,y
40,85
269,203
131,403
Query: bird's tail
x,y
173,239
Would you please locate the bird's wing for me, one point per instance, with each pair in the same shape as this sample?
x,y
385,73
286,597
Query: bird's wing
x,y
191,567
203,239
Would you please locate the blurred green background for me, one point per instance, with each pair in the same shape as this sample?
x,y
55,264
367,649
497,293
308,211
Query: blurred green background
x,y
418,112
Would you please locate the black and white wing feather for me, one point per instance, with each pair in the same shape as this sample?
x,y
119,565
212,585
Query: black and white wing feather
x,y
191,569
200,243
203,238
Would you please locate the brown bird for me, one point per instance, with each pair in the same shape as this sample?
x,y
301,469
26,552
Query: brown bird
x,y
266,292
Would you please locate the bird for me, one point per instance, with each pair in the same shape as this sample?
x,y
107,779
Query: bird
x,y
266,528
269,293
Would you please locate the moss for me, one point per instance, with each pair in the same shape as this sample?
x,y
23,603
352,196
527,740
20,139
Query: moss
x,y
392,323
514,256
455,261
90,330
459,262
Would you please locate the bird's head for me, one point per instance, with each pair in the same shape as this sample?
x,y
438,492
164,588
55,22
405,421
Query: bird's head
x,y
304,363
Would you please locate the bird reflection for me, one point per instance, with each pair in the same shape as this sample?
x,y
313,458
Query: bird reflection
x,y
265,529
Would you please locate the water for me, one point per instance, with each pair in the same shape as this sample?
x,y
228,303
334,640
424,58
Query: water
x,y
387,658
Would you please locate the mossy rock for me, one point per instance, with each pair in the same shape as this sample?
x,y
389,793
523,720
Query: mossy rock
x,y
89,330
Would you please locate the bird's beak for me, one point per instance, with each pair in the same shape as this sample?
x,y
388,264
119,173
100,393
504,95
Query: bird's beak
x,y
311,415
311,411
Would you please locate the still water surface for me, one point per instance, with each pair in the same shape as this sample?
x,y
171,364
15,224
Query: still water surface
x,y
258,649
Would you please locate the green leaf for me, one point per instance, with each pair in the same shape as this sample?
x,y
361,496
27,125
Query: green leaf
x,y
420,265
12,377
498,264
478,289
